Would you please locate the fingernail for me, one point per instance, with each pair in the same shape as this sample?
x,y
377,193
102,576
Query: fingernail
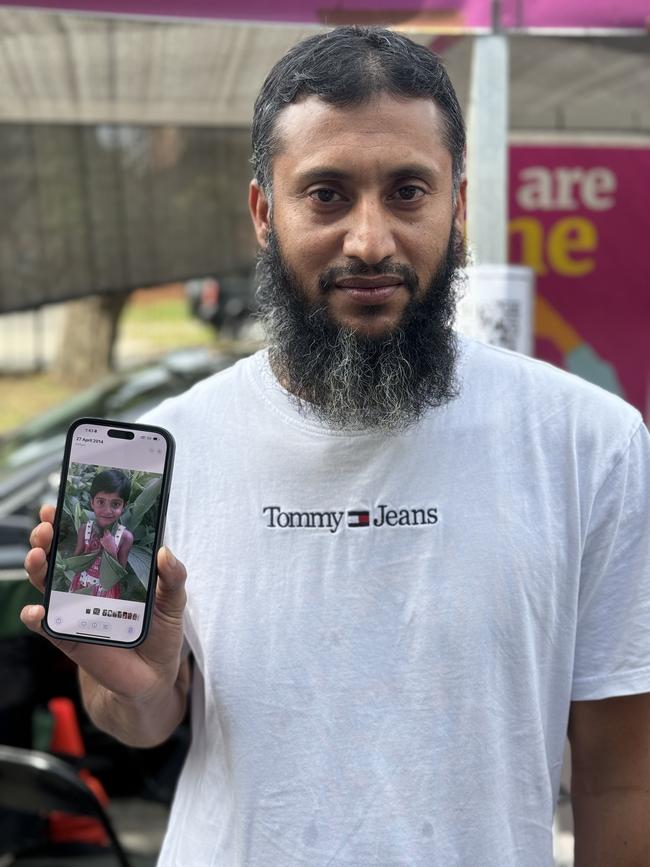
x,y
31,610
170,558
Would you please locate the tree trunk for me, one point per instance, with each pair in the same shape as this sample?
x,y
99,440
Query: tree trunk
x,y
88,338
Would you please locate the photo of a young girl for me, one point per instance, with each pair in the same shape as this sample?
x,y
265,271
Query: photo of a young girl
x,y
109,496
107,532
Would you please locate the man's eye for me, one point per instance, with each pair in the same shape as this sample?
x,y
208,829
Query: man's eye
x,y
324,195
409,193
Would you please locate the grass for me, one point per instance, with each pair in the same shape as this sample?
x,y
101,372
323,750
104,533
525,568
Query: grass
x,y
152,324
26,395
165,310
161,326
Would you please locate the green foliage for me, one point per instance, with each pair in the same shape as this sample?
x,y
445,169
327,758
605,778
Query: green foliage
x,y
110,571
63,574
78,562
149,496
140,562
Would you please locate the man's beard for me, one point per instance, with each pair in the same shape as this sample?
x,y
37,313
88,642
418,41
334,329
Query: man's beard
x,y
352,381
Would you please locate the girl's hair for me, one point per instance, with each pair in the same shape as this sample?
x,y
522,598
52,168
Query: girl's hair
x,y
111,481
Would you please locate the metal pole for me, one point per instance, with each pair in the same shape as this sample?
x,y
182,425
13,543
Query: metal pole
x,y
487,151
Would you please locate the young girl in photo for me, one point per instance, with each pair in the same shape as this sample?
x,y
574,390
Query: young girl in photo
x,y
109,495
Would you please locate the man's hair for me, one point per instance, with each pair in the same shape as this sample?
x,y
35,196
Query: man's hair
x,y
346,67
111,481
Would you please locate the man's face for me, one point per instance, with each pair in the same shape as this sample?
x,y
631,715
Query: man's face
x,y
358,261
362,206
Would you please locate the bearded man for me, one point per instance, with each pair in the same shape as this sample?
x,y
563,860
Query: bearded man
x,y
414,561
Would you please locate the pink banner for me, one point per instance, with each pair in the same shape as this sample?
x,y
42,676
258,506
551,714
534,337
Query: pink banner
x,y
626,14
442,14
579,218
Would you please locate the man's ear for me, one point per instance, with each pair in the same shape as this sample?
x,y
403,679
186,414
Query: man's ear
x,y
260,212
460,211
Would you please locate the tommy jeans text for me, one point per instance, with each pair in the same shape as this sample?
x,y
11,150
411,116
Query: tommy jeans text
x,y
333,520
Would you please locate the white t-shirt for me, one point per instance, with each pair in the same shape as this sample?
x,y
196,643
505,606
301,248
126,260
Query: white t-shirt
x,y
389,630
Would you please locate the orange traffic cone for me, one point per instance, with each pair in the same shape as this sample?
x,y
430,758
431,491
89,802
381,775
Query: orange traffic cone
x,y
67,741
66,734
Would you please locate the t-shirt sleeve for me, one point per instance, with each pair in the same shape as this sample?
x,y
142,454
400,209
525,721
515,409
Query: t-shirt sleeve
x,y
612,653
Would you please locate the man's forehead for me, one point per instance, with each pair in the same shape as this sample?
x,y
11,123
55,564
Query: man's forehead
x,y
376,139
382,113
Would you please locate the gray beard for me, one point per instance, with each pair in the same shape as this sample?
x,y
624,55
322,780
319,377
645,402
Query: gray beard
x,y
350,381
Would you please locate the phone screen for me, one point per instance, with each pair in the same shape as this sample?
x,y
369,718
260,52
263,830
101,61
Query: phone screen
x,y
109,529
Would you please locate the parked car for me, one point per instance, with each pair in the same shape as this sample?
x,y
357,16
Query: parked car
x,y
30,457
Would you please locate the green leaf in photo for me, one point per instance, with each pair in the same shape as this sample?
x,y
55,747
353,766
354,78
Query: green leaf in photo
x,y
138,509
79,516
144,535
79,562
140,562
133,589
61,581
110,571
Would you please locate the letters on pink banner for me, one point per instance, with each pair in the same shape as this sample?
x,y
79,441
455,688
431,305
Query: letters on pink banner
x,y
579,218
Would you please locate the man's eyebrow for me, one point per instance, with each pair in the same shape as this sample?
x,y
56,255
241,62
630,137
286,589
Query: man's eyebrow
x,y
319,173
416,170
412,170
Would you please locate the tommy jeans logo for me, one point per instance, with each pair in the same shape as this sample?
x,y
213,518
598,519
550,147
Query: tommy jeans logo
x,y
382,515
358,519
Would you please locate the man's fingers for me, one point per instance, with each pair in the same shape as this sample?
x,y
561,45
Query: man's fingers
x,y
41,541
170,593
47,513
31,616
36,567
41,536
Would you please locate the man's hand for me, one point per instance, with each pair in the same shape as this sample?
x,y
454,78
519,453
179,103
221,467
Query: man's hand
x,y
138,695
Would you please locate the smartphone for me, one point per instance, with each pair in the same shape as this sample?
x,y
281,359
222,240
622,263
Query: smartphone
x,y
101,579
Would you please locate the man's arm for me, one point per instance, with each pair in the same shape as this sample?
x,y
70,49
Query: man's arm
x,y
610,785
138,695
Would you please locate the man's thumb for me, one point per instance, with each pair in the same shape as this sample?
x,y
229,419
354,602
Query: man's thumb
x,y
170,571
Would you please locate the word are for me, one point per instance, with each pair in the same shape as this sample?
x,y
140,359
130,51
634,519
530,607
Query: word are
x,y
566,188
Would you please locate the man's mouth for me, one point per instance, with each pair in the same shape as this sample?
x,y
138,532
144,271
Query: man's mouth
x,y
370,290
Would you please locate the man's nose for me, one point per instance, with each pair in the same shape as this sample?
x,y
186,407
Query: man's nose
x,y
370,235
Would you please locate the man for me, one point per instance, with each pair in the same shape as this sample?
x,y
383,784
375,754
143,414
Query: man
x,y
413,560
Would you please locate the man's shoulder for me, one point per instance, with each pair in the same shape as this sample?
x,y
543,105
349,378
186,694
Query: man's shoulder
x,y
532,379
202,401
543,394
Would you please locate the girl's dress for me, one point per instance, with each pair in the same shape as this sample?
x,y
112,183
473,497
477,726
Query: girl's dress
x,y
90,577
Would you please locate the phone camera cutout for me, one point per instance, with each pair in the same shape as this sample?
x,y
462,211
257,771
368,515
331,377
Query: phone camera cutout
x,y
121,434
